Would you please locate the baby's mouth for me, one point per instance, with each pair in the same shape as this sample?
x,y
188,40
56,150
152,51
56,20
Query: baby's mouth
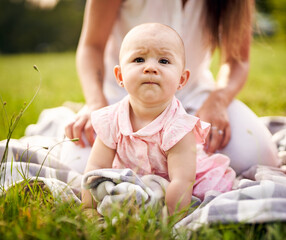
x,y
150,80
151,83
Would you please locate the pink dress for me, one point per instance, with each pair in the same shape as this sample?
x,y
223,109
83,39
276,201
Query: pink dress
x,y
144,151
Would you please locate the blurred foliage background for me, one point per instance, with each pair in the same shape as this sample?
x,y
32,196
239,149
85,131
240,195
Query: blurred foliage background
x,y
271,17
54,25
40,26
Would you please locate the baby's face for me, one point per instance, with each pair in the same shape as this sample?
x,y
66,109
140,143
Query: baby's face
x,y
152,63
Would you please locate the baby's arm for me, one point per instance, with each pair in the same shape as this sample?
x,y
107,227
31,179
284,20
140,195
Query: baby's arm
x,y
101,156
182,173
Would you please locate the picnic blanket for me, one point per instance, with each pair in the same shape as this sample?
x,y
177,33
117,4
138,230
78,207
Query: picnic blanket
x,y
261,197
259,194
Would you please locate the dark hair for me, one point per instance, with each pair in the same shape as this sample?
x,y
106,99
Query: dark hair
x,y
228,23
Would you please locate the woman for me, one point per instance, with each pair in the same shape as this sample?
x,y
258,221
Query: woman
x,y
203,25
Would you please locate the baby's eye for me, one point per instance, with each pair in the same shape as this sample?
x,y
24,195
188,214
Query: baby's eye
x,y
164,61
138,60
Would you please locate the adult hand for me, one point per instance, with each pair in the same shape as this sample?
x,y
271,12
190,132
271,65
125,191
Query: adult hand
x,y
81,126
214,111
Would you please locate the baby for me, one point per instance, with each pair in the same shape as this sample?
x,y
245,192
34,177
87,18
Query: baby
x,y
149,131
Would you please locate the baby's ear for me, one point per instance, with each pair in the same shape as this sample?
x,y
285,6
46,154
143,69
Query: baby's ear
x,y
184,78
118,75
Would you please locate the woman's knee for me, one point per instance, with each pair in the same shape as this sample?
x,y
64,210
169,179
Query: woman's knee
x,y
250,142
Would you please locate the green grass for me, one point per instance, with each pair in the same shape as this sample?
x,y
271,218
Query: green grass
x,y
33,213
19,81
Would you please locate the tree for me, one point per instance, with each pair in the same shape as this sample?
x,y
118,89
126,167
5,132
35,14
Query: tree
x,y
26,28
275,8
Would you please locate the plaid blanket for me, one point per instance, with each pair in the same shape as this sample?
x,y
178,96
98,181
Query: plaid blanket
x,y
37,158
262,199
259,194
109,186
252,201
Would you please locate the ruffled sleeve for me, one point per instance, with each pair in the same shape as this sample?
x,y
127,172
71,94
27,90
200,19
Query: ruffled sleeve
x,y
180,126
103,123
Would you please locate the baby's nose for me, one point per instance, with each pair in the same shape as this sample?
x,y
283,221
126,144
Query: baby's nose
x,y
150,69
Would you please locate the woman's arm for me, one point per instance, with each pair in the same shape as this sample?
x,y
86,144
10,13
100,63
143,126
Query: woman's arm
x,y
99,18
100,157
231,78
182,173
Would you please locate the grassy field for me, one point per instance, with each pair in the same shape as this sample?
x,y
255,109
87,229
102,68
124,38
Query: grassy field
x,y
32,213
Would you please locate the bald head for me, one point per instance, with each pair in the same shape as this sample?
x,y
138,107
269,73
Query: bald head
x,y
149,33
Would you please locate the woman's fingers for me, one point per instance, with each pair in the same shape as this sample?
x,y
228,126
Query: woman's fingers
x,y
78,129
68,130
226,138
215,139
81,128
218,138
89,132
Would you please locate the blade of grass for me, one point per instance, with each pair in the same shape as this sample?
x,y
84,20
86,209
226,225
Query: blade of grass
x,y
13,124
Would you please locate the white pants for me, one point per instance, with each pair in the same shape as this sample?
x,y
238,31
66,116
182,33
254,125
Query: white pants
x,y
250,142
